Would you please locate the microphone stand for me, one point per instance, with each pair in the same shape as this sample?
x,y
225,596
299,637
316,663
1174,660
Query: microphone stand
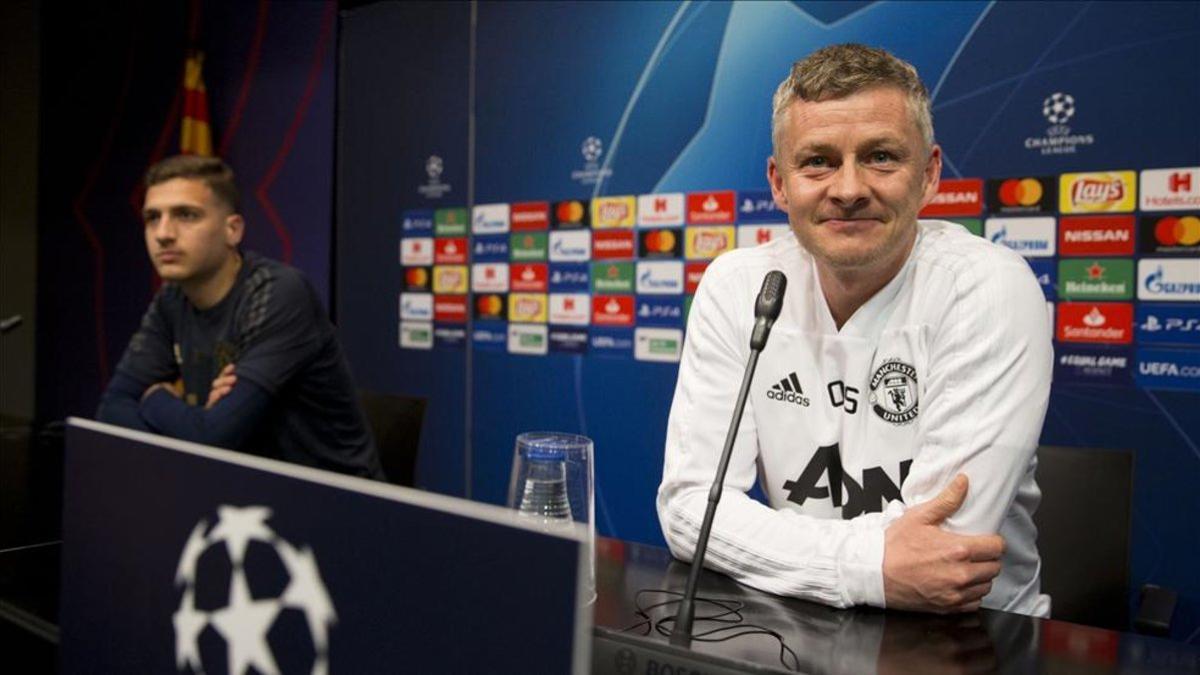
x,y
766,310
681,635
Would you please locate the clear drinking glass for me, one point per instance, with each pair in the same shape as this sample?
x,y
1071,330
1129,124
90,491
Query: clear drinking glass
x,y
552,483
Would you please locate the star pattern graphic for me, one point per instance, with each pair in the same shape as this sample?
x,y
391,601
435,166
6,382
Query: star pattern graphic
x,y
306,591
191,553
188,622
1095,271
244,623
238,526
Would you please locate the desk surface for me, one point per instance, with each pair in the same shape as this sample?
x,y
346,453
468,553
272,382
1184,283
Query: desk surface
x,y
826,640
823,640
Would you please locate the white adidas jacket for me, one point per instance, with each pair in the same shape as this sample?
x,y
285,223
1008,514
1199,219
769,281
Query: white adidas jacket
x,y
946,370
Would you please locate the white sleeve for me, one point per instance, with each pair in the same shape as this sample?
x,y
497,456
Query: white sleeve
x,y
829,561
985,397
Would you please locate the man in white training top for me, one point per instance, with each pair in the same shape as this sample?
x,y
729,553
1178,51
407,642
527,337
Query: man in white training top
x,y
895,411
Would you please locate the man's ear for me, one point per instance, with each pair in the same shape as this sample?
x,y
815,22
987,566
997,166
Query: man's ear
x,y
235,228
775,178
932,175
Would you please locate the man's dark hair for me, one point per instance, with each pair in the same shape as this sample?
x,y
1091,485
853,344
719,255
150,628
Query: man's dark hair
x,y
215,173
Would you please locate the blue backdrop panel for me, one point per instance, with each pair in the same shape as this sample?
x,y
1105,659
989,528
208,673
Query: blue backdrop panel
x,y
402,98
676,97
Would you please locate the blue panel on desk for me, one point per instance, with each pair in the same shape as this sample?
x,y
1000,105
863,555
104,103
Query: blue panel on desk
x,y
225,561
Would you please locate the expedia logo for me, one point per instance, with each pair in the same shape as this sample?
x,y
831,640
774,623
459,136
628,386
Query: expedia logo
x,y
788,390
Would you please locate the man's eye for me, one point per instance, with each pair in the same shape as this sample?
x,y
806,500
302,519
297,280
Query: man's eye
x,y
881,156
818,162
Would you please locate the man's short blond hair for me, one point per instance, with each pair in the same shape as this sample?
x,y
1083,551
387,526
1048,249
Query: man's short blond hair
x,y
841,70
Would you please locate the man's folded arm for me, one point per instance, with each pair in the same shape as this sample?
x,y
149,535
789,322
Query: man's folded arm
x,y
120,403
985,396
228,424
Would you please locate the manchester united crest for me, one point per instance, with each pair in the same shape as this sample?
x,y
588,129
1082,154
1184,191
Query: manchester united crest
x,y
894,392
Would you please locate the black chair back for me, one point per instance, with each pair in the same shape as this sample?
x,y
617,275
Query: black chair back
x,y
395,420
1083,533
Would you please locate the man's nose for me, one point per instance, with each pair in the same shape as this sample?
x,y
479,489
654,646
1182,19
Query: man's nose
x,y
165,230
849,188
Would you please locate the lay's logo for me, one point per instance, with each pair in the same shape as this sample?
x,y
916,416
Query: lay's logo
x,y
1112,192
708,242
613,212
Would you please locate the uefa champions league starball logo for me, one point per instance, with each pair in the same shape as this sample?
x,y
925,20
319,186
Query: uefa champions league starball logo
x,y
591,148
1058,107
433,167
244,590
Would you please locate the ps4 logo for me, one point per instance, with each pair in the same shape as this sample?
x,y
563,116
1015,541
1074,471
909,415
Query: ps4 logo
x,y
572,277
491,248
1153,324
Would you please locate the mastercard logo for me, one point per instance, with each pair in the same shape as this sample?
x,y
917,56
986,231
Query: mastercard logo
x,y
489,305
416,276
569,212
660,241
1175,231
1020,192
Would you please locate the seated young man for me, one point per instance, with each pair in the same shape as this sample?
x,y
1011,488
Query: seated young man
x,y
235,350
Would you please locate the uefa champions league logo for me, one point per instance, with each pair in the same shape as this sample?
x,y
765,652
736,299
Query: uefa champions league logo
x,y
245,587
434,188
1058,107
591,148
433,167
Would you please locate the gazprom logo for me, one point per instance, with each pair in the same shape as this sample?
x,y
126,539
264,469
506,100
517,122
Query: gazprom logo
x,y
567,249
1169,279
1156,284
660,277
1032,237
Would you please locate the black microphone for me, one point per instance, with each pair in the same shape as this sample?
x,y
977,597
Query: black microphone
x,y
10,323
766,310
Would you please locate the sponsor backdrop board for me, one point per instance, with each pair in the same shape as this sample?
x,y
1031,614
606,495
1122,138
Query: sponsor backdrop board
x,y
656,166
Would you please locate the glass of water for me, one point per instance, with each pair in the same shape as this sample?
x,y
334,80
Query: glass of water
x,y
552,483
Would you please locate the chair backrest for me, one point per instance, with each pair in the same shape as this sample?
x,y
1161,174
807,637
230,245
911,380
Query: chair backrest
x,y
395,421
1083,533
